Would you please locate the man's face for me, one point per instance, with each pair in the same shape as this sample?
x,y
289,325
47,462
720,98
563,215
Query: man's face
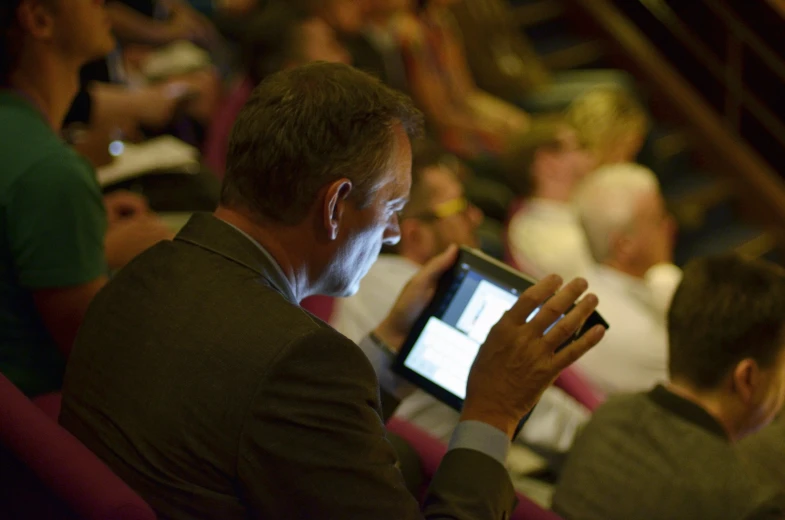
x,y
449,218
320,44
363,231
82,29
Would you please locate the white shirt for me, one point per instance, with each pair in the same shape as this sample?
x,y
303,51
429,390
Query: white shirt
x,y
546,237
554,422
633,355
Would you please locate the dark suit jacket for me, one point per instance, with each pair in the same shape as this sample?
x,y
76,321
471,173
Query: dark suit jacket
x,y
214,395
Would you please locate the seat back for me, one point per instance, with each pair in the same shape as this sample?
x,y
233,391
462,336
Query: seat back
x,y
432,450
578,387
46,473
320,306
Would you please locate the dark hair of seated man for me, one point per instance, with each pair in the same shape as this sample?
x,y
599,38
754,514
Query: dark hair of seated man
x,y
317,139
725,310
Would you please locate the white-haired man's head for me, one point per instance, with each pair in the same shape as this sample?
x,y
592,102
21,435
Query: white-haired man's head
x,y
625,219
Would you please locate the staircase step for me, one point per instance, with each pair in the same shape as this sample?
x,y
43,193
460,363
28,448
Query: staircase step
x,y
533,13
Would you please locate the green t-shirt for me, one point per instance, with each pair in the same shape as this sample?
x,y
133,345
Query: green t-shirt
x,y
53,223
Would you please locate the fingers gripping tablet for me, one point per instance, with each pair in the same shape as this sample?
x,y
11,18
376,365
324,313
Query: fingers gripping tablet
x,y
471,297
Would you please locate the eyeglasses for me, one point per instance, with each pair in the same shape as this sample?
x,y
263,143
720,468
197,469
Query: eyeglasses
x,y
444,210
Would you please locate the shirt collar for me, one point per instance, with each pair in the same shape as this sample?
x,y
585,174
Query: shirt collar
x,y
687,410
280,280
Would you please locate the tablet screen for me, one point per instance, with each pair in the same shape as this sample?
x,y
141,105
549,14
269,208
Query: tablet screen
x,y
449,342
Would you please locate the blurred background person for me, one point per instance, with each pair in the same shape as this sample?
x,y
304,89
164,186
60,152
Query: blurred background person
x,y
669,452
467,120
631,237
544,166
60,238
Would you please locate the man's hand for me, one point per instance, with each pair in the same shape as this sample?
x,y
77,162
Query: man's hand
x,y
129,237
517,363
122,205
414,297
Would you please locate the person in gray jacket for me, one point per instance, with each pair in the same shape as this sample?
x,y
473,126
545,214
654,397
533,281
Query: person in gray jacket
x,y
669,453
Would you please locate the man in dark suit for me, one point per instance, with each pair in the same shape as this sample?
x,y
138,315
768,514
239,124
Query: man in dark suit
x,y
200,381
669,453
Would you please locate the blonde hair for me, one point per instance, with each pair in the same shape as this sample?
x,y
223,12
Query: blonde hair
x,y
606,202
606,116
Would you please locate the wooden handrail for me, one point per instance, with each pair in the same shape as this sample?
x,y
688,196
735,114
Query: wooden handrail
x,y
748,36
716,67
745,165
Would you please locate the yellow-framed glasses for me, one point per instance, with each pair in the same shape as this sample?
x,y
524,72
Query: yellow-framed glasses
x,y
446,209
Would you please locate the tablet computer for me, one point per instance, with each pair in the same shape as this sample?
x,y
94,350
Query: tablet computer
x,y
470,298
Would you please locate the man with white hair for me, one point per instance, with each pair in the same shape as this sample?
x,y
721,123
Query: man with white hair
x,y
630,234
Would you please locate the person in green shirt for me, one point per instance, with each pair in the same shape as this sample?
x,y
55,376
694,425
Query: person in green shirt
x,y
59,237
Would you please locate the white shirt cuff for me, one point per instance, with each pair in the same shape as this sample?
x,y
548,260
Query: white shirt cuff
x,y
478,436
382,359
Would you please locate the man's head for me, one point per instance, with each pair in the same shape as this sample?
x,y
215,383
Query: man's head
x,y
438,213
324,149
726,328
281,37
546,161
610,123
624,215
72,32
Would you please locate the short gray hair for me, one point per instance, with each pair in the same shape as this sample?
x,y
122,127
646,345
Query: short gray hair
x,y
606,202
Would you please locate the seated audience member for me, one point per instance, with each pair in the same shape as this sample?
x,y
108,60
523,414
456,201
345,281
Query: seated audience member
x,y
544,166
278,37
611,123
468,121
57,245
436,216
669,452
202,383
114,90
631,237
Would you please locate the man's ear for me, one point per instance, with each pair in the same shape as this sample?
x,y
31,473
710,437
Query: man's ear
x,y
335,200
746,378
37,19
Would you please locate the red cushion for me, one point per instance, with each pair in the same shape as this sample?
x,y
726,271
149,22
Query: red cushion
x,y
431,451
68,473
